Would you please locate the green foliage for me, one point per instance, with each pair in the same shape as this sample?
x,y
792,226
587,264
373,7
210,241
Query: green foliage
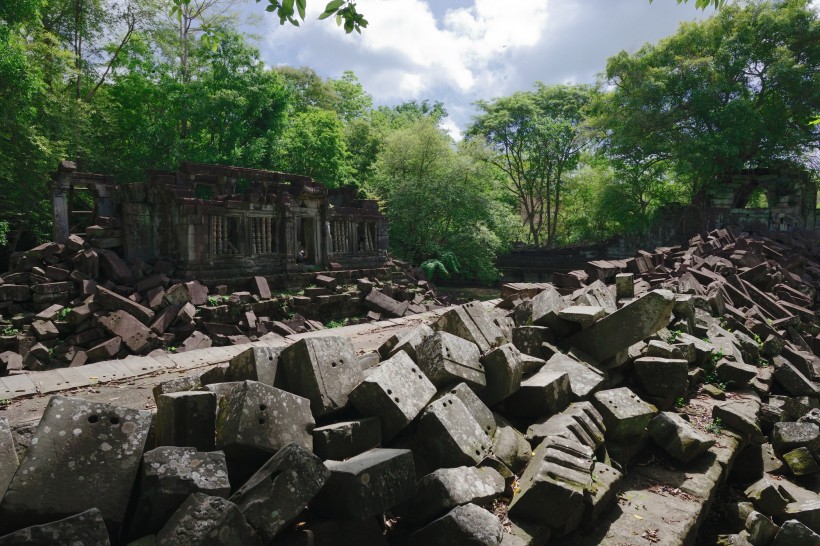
x,y
715,426
313,144
337,323
64,312
4,231
443,266
673,336
680,402
9,331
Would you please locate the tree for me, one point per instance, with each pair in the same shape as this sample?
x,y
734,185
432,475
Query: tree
x,y
313,144
536,138
733,92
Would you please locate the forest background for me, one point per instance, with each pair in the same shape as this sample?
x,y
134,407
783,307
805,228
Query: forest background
x,y
119,86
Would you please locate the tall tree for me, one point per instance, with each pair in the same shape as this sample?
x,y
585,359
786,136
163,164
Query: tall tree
x,y
537,137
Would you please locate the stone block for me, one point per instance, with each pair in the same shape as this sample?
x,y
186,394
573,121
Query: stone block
x,y
322,369
385,305
164,319
15,292
177,295
801,462
545,393
259,286
792,533
87,527
624,286
167,476
631,323
340,441
204,520
44,330
136,336
197,340
678,437
510,446
625,414
806,512
83,455
480,412
111,301
584,315
446,488
760,528
450,435
467,524
255,420
553,486
471,322
445,359
545,306
663,379
740,415
530,340
503,370
395,392
278,492
791,379
768,497
584,379
178,384
8,456
186,419
738,373
366,485
580,422
258,363
789,436
410,342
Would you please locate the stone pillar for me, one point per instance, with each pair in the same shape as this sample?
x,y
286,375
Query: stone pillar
x,y
59,200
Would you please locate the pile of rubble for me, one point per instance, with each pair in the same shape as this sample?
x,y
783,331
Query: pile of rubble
x,y
73,304
517,427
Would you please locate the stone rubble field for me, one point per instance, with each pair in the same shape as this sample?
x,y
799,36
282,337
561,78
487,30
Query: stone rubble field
x,y
606,408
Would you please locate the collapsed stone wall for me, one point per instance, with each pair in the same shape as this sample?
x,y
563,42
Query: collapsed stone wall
x,y
522,426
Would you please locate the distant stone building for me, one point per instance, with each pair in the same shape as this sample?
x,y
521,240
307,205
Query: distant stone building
x,y
217,222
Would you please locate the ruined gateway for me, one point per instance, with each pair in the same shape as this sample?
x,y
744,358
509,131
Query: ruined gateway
x,y
217,222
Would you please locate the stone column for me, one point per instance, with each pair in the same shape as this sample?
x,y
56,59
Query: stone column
x,y
59,200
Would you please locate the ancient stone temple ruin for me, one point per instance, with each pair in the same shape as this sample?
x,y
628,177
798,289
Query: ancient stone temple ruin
x,y
218,222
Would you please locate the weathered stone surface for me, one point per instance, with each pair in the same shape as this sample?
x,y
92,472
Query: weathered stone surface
x,y
258,364
410,342
8,456
503,370
545,306
168,475
280,490
625,414
395,392
322,369
794,381
343,440
584,379
367,484
738,373
605,486
83,529
255,420
510,446
446,488
663,379
387,306
760,528
545,393
741,415
471,322
105,350
204,520
259,286
553,485
624,286
801,462
450,434
585,315
768,496
806,512
788,436
467,524
445,358
531,340
480,412
136,336
186,419
580,422
792,533
678,437
632,323
114,302
83,455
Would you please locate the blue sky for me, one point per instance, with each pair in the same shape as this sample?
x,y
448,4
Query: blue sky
x,y
459,51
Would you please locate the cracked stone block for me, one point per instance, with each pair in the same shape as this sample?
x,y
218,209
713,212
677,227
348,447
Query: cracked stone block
x,y
760,528
322,369
278,492
366,485
625,414
738,373
343,440
554,484
445,359
806,512
741,415
792,533
801,462
678,437
631,323
87,527
471,322
606,482
168,475
584,379
768,497
255,420
510,446
450,434
446,488
663,379
545,393
788,436
258,364
410,342
503,369
83,455
8,456
204,520
395,392
795,383
186,419
580,422
467,524
480,412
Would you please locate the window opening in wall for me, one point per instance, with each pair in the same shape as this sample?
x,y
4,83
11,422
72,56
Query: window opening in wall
x,y
262,235
306,241
757,199
366,237
204,191
225,235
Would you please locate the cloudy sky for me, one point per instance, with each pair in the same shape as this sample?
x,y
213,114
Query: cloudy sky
x,y
459,51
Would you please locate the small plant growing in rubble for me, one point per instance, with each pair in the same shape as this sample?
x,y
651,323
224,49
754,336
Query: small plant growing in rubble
x,y
336,323
9,331
715,426
680,402
213,300
64,312
673,336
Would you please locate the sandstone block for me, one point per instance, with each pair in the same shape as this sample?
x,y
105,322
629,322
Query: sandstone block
x,y
445,358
